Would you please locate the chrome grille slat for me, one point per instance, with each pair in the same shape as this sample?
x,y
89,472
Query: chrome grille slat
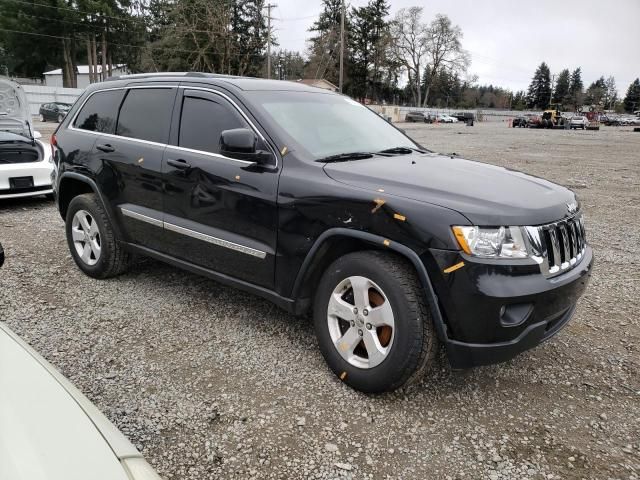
x,y
559,246
566,249
555,248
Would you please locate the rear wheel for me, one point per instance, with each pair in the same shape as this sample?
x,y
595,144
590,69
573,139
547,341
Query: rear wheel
x,y
91,239
373,326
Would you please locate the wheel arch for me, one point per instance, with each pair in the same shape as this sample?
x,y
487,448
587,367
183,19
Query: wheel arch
x,y
73,184
336,242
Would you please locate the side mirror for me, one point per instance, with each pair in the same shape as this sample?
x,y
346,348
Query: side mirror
x,y
37,134
241,143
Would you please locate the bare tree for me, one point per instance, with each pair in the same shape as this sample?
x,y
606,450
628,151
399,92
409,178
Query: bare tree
x,y
445,52
410,45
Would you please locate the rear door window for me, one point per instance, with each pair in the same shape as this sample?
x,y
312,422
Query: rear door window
x,y
100,112
146,114
204,117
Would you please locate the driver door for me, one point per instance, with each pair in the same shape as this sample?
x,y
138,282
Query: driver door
x,y
220,213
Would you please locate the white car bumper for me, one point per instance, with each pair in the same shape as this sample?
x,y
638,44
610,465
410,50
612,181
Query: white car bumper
x,y
40,172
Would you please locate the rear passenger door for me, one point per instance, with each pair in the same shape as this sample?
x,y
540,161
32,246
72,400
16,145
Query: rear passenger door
x,y
220,212
131,159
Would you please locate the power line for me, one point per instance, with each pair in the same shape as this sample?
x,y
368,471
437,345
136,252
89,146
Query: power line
x,y
213,52
101,15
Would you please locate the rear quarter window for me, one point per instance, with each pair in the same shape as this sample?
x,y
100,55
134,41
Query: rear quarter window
x,y
100,112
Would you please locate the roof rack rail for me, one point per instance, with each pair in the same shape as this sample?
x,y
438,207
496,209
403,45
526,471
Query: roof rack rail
x,y
171,74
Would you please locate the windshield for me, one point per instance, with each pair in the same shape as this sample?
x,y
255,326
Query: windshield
x,y
325,125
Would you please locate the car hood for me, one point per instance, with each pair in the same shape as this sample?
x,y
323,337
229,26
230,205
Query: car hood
x,y
15,116
486,194
49,430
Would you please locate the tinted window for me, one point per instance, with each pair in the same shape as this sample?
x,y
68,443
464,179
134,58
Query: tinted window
x,y
100,112
202,121
146,114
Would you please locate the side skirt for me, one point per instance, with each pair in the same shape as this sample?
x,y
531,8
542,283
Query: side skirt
x,y
287,304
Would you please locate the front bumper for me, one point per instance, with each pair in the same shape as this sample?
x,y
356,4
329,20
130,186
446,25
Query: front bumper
x,y
495,311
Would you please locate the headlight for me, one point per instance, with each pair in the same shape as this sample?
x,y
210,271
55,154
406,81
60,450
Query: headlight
x,y
492,242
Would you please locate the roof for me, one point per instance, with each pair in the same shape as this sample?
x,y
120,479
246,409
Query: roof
x,y
82,69
241,83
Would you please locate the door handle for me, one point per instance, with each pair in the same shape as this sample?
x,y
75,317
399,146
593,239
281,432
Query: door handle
x,y
105,148
180,163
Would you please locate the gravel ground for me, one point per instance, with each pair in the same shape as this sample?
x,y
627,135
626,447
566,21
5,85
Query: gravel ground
x,y
209,382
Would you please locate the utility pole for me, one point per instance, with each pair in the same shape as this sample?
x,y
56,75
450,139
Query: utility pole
x,y
269,7
553,79
341,81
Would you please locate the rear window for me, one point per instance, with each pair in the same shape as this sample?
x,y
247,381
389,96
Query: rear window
x,y
100,112
146,114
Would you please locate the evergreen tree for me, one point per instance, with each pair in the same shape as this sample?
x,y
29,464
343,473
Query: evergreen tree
x,y
324,46
563,84
539,92
519,100
632,99
576,93
596,92
289,65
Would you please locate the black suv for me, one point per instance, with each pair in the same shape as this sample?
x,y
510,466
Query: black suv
x,y
309,199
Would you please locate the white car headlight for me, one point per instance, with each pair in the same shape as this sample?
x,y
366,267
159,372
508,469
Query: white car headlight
x,y
492,242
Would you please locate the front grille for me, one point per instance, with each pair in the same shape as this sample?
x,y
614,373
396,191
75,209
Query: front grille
x,y
558,246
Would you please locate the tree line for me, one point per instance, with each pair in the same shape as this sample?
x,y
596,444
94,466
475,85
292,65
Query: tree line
x,y
404,58
568,92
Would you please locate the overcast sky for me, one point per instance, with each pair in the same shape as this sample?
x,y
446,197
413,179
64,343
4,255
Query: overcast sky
x,y
508,39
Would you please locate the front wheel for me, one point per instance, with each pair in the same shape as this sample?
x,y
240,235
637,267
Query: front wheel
x,y
41,118
372,323
91,239
60,118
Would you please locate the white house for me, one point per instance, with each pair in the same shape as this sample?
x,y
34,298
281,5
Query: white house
x,y
54,77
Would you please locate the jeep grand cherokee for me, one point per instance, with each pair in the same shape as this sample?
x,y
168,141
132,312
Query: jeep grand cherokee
x,y
309,199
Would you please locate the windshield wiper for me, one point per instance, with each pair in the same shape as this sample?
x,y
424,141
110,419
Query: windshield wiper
x,y
343,157
401,150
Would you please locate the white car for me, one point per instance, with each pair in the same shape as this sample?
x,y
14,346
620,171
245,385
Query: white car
x,y
25,166
51,431
442,118
579,121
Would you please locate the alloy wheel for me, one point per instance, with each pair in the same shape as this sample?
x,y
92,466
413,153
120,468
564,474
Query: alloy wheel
x,y
86,237
361,322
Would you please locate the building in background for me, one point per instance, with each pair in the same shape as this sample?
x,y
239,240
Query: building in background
x,y
54,77
320,83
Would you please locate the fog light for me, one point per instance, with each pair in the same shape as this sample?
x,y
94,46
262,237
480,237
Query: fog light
x,y
514,315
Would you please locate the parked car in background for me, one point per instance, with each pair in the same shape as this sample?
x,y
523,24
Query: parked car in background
x,y
418,117
392,248
54,111
578,121
25,166
444,118
520,122
464,116
52,431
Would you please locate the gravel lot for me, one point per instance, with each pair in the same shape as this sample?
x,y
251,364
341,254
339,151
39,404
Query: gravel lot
x,y
209,382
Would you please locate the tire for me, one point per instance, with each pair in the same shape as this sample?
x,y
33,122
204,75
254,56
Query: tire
x,y
60,118
42,119
410,345
110,259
